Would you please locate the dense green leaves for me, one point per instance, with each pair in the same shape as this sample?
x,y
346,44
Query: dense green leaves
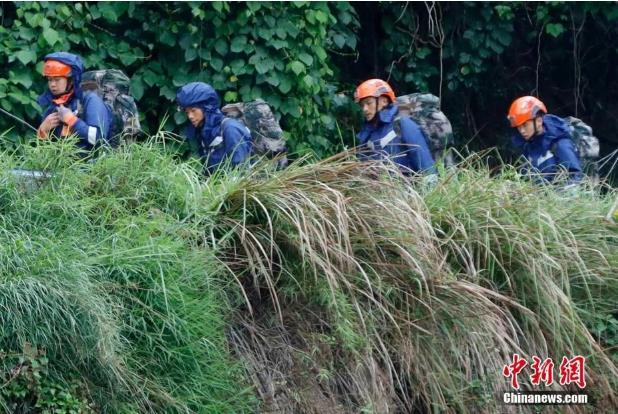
x,y
299,56
297,67
555,29
245,51
26,56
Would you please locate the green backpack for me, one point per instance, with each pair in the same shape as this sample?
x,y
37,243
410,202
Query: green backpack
x,y
112,85
587,146
266,133
424,109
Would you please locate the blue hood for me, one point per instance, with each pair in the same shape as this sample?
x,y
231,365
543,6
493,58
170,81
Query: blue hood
x,y
554,127
201,95
208,131
77,69
387,114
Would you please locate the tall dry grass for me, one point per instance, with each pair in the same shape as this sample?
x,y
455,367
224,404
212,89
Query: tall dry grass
x,y
331,286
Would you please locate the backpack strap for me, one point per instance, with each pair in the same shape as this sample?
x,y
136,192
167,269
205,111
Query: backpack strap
x,y
554,146
225,121
397,125
390,135
398,132
80,109
219,138
554,149
388,138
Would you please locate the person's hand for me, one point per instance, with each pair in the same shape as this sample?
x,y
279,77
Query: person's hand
x,y
50,122
66,115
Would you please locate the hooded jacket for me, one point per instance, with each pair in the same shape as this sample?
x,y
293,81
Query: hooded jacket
x,y
409,149
95,117
220,140
551,151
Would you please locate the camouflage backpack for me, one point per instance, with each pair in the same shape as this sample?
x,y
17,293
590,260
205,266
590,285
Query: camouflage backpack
x,y
112,85
587,146
424,109
265,131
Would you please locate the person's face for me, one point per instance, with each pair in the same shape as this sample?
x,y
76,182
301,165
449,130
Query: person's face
x,y
370,106
195,115
57,84
526,129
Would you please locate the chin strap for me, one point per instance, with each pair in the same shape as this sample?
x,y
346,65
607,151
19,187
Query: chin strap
x,y
375,116
536,131
61,100
64,98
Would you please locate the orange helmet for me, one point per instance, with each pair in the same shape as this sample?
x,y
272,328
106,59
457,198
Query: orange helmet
x,y
375,88
523,109
56,68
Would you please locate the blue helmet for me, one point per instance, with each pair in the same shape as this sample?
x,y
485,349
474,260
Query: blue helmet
x,y
198,94
74,61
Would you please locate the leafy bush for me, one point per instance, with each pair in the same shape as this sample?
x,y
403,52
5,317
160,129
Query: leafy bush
x,y
276,51
27,386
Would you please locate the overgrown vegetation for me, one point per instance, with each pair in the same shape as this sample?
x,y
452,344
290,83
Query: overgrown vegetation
x,y
99,270
130,284
479,56
331,286
306,57
276,51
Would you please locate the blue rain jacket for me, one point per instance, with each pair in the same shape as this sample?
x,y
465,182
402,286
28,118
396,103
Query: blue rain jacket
x,y
219,139
551,151
409,150
95,117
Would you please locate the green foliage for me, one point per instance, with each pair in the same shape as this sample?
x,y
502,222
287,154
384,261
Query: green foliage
x,y
468,56
151,289
97,269
301,56
603,326
275,51
29,387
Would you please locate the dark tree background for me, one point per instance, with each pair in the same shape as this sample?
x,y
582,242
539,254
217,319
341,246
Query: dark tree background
x,y
480,56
